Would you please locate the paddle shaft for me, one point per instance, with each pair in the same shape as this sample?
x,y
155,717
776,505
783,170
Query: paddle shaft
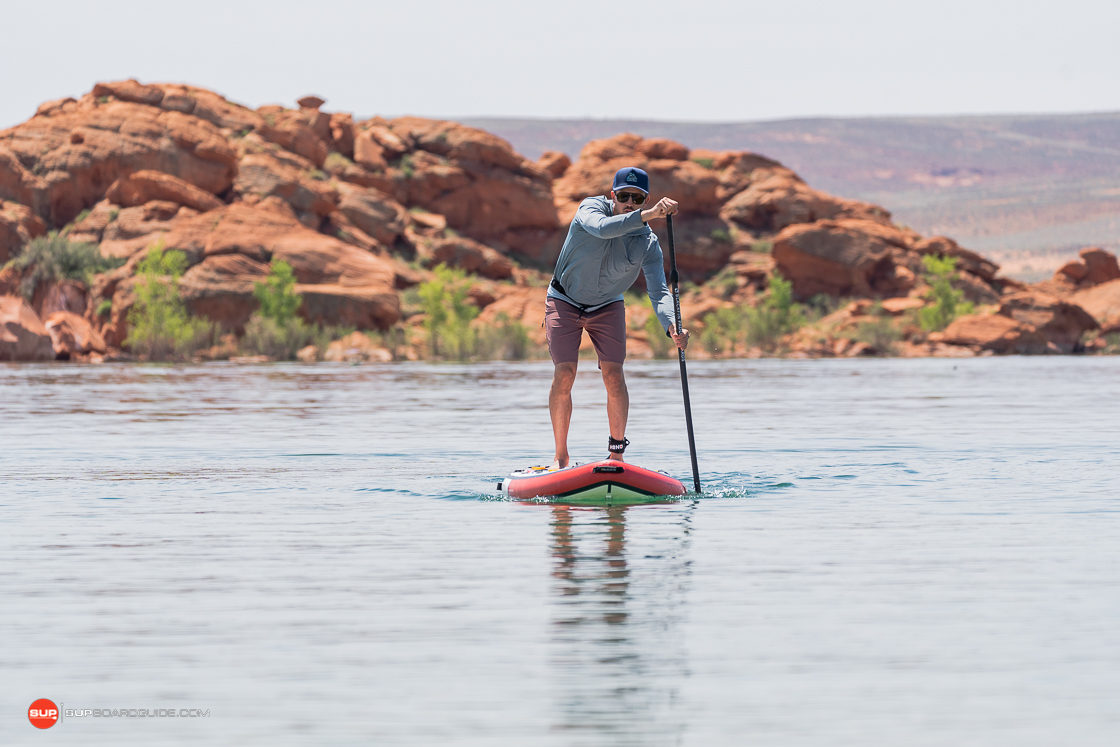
x,y
674,278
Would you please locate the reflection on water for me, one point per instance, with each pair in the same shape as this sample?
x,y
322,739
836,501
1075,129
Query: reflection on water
x,y
617,656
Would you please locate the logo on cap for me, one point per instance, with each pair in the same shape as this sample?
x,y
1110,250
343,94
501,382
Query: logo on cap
x,y
632,177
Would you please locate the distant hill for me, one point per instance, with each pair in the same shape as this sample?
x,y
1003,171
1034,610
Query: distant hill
x,y
1026,190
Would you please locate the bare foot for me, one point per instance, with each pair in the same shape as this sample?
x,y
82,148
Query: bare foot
x,y
559,463
615,457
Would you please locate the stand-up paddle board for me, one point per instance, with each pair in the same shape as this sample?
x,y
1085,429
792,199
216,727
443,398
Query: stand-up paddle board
x,y
608,480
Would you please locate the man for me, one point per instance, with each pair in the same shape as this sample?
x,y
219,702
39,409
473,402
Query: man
x,y
608,244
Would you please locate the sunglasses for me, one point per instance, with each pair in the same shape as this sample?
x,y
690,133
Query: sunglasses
x,y
624,197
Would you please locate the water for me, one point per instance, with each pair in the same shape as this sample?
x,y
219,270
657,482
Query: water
x,y
886,552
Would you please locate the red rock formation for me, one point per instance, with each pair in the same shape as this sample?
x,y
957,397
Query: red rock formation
x,y
72,336
471,257
76,151
728,199
18,225
1059,322
374,212
841,260
554,162
147,186
1096,266
994,332
484,189
22,334
1102,302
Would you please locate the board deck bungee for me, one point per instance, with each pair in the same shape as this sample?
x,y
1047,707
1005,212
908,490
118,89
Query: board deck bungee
x,y
606,480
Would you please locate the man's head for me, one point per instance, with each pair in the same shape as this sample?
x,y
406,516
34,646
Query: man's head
x,y
630,189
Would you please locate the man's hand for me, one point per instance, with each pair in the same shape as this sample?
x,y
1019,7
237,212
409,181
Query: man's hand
x,y
681,339
664,206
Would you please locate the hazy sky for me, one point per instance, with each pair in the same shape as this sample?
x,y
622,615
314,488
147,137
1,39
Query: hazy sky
x,y
649,59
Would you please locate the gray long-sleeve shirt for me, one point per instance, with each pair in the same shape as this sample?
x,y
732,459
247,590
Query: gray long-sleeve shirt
x,y
602,256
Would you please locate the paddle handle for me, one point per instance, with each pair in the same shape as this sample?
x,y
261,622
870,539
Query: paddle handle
x,y
674,279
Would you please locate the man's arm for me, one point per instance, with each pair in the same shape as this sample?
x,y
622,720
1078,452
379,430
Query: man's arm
x,y
597,223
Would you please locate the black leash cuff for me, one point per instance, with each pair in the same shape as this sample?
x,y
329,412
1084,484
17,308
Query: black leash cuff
x,y
616,446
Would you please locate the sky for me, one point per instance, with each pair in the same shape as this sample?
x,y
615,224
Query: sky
x,y
680,61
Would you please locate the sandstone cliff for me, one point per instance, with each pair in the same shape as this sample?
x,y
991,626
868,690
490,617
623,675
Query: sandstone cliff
x,y
362,209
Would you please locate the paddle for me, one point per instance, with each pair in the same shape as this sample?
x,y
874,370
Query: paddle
x,y
674,279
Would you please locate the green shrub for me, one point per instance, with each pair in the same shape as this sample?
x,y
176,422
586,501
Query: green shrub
x,y
274,329
705,162
948,302
114,213
777,315
276,295
336,160
762,247
721,235
449,314
726,280
407,167
508,340
881,334
160,328
722,329
50,258
104,307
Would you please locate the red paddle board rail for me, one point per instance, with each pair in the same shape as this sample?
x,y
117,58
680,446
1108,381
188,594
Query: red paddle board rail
x,y
583,477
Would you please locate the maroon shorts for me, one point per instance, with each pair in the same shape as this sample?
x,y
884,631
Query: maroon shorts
x,y
564,325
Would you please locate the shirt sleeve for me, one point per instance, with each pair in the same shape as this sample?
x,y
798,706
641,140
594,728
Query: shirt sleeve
x,y
597,223
653,267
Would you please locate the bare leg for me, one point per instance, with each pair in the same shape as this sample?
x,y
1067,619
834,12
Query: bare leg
x,y
618,402
560,409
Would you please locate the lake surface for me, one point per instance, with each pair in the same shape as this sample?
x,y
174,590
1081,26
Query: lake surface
x,y
886,552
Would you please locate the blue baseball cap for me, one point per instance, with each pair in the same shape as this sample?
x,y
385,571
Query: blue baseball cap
x,y
631,177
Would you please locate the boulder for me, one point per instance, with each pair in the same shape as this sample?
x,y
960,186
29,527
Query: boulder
x,y
145,186
776,198
379,132
369,152
470,256
263,175
71,335
310,102
1101,301
304,133
220,288
554,162
827,257
22,334
1096,266
18,225
342,134
899,306
994,332
1059,322
374,212
137,228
